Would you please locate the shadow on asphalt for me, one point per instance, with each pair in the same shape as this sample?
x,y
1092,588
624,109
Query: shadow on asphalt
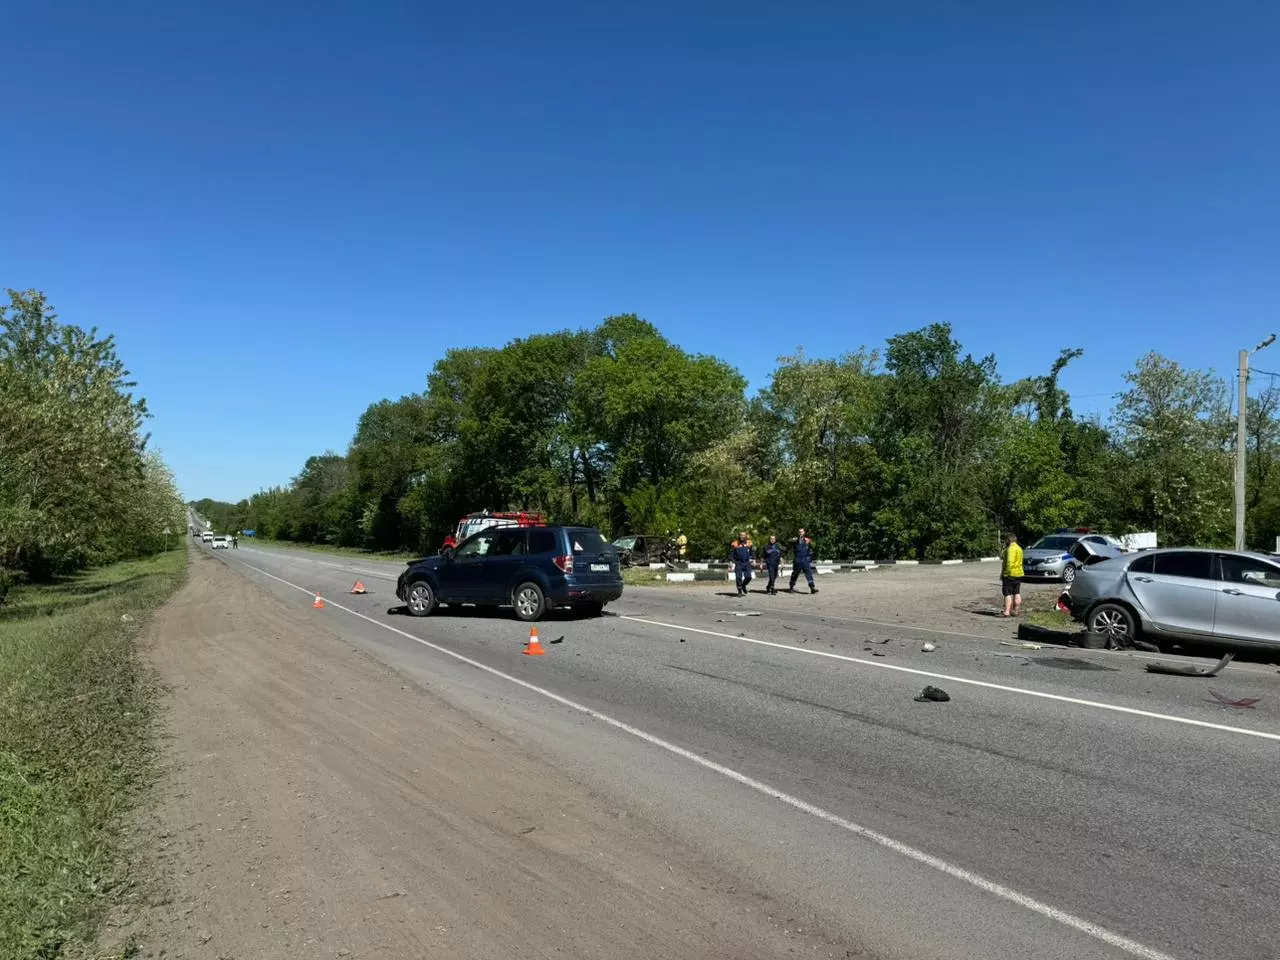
x,y
492,613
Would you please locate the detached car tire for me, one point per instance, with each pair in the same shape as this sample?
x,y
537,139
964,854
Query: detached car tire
x,y
1068,574
528,601
1113,620
420,598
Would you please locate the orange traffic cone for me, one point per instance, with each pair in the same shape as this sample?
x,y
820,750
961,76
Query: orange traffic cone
x,y
358,588
533,648
319,604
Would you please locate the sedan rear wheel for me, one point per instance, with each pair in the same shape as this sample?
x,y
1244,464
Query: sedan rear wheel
x,y
1115,621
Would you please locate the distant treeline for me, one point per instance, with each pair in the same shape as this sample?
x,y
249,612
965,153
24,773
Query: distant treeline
x,y
919,451
77,484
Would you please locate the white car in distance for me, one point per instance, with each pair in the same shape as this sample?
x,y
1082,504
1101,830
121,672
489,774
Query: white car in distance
x,y
221,542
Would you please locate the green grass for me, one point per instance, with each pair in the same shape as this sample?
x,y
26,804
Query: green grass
x,y
76,706
1052,618
643,577
393,556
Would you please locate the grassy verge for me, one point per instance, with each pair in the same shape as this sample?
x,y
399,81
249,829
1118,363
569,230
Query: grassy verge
x,y
1053,619
392,557
643,577
75,746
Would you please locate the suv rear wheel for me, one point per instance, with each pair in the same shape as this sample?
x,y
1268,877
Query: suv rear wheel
x,y
528,601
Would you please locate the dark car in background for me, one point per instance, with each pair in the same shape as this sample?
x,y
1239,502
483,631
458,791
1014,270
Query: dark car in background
x,y
531,569
643,548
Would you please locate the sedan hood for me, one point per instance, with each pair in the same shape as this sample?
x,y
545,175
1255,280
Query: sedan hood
x,y
1043,554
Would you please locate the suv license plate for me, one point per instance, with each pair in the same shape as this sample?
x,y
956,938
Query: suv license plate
x,y
599,568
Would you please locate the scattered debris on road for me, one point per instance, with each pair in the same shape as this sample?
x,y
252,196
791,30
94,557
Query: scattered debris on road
x,y
928,647
559,639
933,695
1190,670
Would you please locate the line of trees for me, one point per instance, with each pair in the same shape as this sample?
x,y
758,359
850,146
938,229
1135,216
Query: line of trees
x,y
919,451
77,483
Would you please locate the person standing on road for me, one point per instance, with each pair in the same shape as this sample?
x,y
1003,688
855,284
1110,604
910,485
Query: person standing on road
x,y
772,560
235,541
1011,576
802,562
740,552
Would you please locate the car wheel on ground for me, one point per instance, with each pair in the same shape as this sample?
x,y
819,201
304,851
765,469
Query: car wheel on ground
x,y
1113,620
421,599
528,601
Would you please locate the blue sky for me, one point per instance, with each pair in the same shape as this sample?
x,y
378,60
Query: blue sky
x,y
316,200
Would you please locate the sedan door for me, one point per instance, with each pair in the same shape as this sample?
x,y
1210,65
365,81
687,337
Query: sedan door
x,y
1180,593
1248,600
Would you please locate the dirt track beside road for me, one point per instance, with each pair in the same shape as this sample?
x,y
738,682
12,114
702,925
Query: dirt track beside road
x,y
318,804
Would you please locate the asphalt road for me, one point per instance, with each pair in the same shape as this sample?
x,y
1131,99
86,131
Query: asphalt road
x,y
1062,804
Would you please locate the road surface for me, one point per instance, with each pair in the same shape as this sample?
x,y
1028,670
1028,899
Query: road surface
x,y
1062,804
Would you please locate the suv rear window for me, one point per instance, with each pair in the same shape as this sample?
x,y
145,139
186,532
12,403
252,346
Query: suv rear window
x,y
542,542
587,540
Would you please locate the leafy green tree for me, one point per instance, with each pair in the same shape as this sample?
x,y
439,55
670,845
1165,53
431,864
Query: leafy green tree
x,y
71,443
934,434
1173,428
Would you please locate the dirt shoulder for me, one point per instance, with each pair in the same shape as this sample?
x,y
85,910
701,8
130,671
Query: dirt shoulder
x,y
318,804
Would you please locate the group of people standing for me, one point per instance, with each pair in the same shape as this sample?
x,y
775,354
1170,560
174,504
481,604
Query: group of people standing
x,y
742,553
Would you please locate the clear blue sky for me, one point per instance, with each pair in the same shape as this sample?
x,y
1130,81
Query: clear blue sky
x,y
315,200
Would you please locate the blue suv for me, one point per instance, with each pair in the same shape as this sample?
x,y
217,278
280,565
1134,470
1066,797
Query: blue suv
x,y
530,569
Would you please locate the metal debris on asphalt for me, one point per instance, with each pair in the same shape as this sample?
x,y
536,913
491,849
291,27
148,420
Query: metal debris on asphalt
x,y
559,639
928,647
1190,670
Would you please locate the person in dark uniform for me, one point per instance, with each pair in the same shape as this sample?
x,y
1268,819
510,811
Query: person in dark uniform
x,y
740,552
802,562
235,541
772,560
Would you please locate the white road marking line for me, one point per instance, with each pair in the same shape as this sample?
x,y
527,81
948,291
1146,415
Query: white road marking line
x,y
1096,704
1120,942
1135,654
336,566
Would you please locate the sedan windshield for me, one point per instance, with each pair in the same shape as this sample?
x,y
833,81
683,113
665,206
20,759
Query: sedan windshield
x,y
1055,543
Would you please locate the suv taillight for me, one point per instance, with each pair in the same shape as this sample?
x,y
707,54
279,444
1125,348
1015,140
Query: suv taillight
x,y
564,563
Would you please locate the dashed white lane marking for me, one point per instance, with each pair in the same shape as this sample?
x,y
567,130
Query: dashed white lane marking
x,y
1077,701
1131,947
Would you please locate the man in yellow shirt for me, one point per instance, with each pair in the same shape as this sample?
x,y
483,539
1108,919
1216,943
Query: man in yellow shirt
x,y
1011,576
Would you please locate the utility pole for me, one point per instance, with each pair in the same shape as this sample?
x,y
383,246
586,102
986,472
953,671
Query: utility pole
x,y
1242,437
